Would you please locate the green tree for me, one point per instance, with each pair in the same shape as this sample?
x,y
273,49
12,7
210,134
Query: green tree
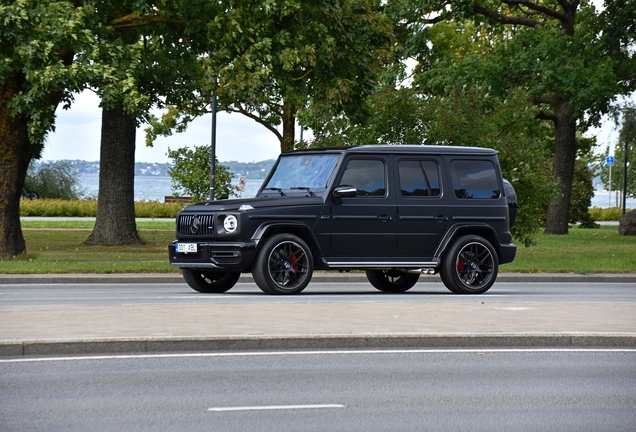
x,y
46,51
464,115
51,180
190,174
570,60
271,60
153,64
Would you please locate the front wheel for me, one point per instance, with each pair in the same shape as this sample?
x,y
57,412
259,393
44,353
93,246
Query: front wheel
x,y
210,282
470,266
284,265
392,281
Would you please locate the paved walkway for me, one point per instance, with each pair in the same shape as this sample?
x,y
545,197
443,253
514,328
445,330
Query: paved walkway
x,y
63,330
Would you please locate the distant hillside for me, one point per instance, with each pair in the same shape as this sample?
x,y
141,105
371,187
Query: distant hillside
x,y
251,170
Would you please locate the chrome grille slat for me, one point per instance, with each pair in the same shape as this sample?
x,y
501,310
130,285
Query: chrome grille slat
x,y
204,224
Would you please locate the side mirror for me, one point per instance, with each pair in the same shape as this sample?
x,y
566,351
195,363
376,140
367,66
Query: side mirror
x,y
344,191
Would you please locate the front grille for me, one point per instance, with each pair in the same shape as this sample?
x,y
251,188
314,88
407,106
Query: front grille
x,y
196,225
225,254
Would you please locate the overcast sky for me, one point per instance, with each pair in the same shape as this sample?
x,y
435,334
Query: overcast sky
x,y
77,136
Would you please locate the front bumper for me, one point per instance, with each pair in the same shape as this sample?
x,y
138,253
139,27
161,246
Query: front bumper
x,y
214,255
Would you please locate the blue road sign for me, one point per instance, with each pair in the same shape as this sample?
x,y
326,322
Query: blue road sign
x,y
610,160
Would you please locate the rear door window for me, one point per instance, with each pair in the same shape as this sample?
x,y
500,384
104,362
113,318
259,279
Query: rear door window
x,y
419,178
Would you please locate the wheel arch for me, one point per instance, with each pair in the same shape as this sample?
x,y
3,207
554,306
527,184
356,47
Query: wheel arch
x,y
458,230
300,230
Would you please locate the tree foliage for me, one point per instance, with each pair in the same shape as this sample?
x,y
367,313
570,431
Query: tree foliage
x,y
190,174
272,59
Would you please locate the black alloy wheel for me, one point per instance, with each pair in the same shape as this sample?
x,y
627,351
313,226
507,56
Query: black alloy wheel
x,y
470,266
284,265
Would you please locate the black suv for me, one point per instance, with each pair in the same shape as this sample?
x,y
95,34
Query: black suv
x,y
395,211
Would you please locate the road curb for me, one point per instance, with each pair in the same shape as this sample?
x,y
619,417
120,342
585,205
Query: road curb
x,y
318,277
320,342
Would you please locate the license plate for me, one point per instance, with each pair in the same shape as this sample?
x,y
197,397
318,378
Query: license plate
x,y
186,247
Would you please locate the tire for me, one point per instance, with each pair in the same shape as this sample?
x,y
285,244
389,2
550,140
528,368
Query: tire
x,y
284,265
210,282
392,281
470,266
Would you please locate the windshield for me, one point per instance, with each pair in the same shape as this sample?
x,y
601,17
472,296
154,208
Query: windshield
x,y
303,171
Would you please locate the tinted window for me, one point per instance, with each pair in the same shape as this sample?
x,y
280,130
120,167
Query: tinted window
x,y
474,179
367,176
419,178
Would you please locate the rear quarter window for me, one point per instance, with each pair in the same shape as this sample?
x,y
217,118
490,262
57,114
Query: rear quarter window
x,y
474,179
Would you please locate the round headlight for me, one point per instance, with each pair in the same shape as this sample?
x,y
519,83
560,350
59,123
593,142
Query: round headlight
x,y
230,223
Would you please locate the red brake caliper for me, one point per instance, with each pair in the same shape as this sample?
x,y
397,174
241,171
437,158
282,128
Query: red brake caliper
x,y
460,265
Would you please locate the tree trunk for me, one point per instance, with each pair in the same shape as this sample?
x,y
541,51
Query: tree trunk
x,y
115,223
289,127
563,169
15,154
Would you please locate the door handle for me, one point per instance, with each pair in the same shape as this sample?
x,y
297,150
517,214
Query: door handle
x,y
441,218
384,218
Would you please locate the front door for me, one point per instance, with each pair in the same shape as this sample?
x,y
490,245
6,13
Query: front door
x,y
364,226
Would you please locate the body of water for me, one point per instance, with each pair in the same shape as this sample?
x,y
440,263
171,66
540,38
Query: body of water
x,y
155,188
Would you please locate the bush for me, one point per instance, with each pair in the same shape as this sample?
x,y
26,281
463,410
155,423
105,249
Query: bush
x,y
606,214
190,174
51,180
79,208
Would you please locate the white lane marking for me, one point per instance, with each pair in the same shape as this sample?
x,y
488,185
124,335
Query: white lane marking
x,y
327,352
275,407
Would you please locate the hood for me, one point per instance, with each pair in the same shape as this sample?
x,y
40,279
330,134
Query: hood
x,y
257,203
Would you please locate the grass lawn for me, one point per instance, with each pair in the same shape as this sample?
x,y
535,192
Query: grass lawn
x,y
582,251
57,247
60,250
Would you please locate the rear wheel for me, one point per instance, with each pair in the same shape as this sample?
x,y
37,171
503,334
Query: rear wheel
x,y
284,265
392,281
470,266
210,282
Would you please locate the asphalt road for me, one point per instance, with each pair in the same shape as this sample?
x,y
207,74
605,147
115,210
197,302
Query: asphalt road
x,y
477,390
248,293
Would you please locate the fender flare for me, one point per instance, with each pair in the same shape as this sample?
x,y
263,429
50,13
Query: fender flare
x,y
453,230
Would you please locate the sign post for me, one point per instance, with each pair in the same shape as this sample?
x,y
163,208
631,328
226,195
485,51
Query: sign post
x,y
609,160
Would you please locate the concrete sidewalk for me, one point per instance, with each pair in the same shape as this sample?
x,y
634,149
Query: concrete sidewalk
x,y
298,324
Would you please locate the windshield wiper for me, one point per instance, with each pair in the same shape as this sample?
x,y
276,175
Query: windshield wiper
x,y
305,188
279,190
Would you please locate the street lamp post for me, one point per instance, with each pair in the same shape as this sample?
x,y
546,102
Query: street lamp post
x,y
213,150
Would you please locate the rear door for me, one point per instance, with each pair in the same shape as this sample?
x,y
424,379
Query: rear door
x,y
422,207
